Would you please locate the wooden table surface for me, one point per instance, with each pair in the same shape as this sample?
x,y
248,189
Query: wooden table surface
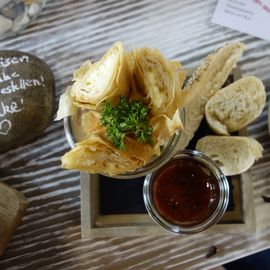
x,y
66,34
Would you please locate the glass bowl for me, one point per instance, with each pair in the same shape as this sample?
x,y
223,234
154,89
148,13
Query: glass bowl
x,y
176,199
166,152
15,15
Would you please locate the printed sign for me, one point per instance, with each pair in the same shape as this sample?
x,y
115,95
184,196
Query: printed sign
x,y
247,16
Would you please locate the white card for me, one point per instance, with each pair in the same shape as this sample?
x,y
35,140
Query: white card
x,y
247,16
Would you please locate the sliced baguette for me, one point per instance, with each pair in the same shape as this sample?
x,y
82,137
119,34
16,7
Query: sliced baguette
x,y
12,208
234,154
235,106
209,77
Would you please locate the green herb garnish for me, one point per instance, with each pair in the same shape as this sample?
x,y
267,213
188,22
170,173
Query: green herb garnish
x,y
126,118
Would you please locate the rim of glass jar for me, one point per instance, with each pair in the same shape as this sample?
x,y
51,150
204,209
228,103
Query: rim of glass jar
x,y
213,219
169,150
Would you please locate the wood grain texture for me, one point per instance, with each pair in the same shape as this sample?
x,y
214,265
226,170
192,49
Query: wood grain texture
x,y
67,33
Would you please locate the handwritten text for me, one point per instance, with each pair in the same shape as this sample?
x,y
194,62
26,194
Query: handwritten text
x,y
21,84
5,109
6,61
11,108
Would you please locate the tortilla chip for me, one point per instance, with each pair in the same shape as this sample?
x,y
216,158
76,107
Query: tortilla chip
x,y
96,155
156,81
106,79
164,127
81,71
66,107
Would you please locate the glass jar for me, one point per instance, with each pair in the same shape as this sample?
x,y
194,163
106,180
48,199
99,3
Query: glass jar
x,y
192,199
72,135
15,15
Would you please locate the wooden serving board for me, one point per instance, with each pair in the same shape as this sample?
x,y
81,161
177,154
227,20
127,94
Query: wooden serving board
x,y
114,207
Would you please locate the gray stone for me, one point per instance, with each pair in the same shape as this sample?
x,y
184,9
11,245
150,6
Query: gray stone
x,y
20,22
18,1
27,89
33,9
12,10
3,2
5,25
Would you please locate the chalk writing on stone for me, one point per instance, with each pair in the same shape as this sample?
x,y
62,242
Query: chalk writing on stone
x,y
6,61
14,83
11,82
27,88
21,84
13,107
5,126
6,77
5,109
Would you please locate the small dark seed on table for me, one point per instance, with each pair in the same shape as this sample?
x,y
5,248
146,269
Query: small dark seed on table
x,y
212,251
266,199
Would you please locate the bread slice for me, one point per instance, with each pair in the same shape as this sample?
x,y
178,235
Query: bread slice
x,y
209,77
12,208
235,106
234,154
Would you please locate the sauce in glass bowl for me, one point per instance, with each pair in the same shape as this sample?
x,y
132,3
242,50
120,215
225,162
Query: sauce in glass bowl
x,y
188,194
185,192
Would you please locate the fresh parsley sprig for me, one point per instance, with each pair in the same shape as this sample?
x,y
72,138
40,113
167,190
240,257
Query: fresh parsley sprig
x,y
126,118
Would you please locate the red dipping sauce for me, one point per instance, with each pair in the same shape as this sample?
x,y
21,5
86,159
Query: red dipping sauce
x,y
185,192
